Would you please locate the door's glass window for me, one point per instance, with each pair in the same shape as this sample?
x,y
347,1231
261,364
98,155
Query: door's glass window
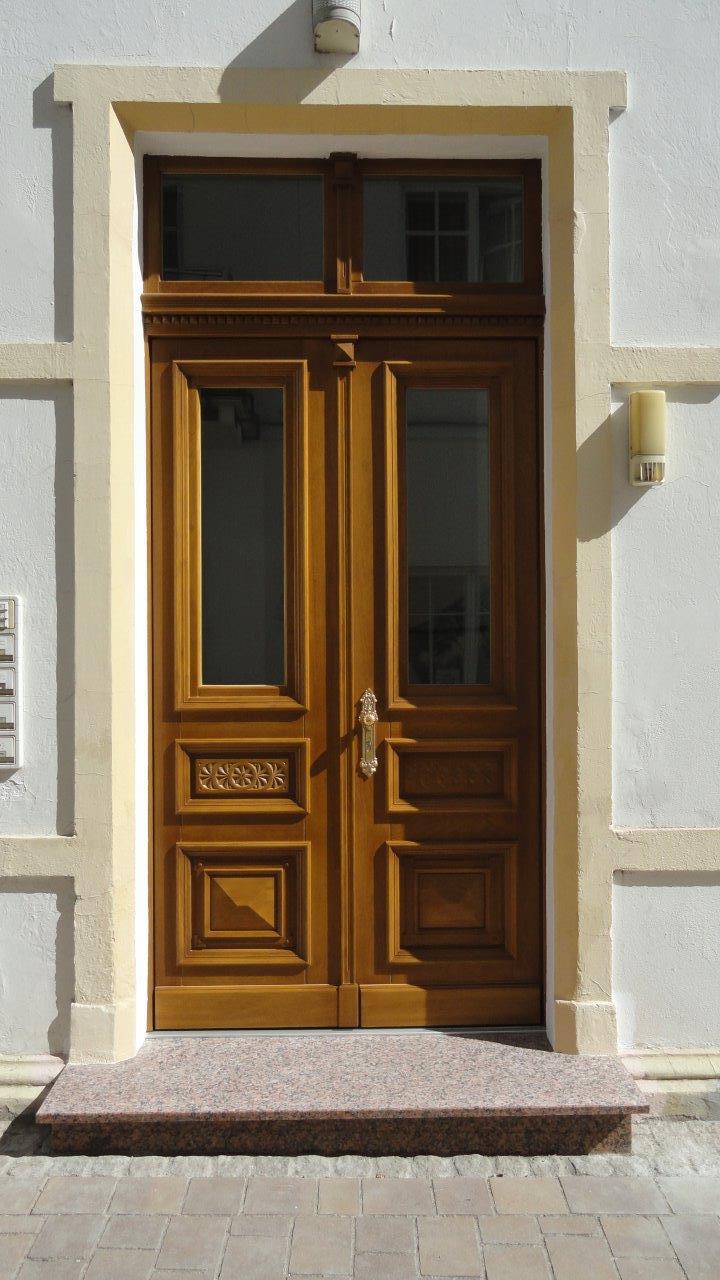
x,y
447,535
242,536
233,227
443,230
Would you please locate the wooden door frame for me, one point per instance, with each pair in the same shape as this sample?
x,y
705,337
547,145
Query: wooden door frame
x,y
343,311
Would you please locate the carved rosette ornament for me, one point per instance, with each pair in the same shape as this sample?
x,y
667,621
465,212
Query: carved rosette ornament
x,y
242,775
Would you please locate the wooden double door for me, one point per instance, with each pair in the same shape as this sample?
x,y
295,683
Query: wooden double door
x,y
346,681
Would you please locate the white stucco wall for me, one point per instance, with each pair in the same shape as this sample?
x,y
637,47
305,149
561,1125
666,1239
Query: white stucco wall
x,y
665,259
35,942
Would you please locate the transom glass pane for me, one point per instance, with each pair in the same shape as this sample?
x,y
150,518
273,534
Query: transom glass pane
x,y
448,535
232,227
443,230
242,536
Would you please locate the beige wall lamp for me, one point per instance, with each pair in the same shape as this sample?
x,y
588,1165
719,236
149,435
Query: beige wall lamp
x,y
648,437
336,26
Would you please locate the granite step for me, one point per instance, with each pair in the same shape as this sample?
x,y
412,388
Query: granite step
x,y
344,1093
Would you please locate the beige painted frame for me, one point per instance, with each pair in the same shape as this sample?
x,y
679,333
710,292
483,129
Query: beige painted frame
x,y
571,110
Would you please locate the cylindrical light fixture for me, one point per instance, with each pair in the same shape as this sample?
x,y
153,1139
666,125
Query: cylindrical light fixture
x,y
336,26
648,437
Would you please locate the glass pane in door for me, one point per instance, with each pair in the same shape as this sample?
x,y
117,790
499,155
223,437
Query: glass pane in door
x,y
447,535
242,536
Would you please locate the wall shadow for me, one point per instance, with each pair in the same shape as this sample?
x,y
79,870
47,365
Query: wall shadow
x,y
57,117
286,42
63,889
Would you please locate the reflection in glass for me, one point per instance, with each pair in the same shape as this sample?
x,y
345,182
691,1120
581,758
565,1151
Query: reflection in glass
x,y
443,230
242,537
232,227
448,535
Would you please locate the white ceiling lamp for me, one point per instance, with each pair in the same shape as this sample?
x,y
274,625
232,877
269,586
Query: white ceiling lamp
x,y
337,26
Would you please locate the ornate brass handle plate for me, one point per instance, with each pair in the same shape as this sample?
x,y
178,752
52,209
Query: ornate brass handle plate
x,y
368,720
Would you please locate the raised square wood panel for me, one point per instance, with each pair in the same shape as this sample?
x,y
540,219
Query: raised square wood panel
x,y
242,904
241,775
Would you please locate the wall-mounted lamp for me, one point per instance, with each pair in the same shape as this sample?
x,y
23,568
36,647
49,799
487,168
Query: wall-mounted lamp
x,y
648,437
337,26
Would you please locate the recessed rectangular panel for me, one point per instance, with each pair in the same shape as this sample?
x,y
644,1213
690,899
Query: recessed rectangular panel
x,y
436,776
243,776
242,904
450,900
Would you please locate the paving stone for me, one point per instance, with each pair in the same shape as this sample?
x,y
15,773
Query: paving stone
x,y
223,1196
550,1166
133,1231
696,1241
235,1166
69,1236
521,1263
574,1256
55,1270
321,1244
528,1195
462,1195
195,1166
309,1166
151,1166
193,1243
636,1237
20,1224
397,1195
385,1266
12,1251
378,1234
97,1166
121,1264
649,1269
569,1224
182,1275
75,1195
476,1166
613,1195
148,1195
18,1195
510,1228
692,1193
276,1225
281,1195
433,1166
339,1195
449,1247
38,1167
254,1258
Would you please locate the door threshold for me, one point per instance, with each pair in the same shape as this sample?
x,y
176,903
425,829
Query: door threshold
x,y
349,1031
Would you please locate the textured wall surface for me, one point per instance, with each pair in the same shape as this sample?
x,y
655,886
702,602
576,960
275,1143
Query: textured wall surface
x,y
36,966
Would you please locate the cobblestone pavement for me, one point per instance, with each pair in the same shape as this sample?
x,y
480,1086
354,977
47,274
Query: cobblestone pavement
x,y
652,1215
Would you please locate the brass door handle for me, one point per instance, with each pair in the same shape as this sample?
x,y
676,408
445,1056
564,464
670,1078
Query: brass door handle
x,y
368,720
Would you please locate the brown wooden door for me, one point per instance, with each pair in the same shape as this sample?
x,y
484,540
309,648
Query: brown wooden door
x,y
331,516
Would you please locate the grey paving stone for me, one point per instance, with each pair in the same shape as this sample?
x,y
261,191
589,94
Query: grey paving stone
x,y
510,1228
277,1225
524,1262
613,1195
38,1167
339,1195
75,1195
97,1166
193,1243
321,1244
692,1193
222,1196
12,1251
121,1264
475,1166
570,1224
254,1258
71,1236
462,1195
575,1256
151,1166
20,1224
18,1195
133,1231
449,1247
696,1241
195,1166
281,1195
182,1275
378,1234
636,1237
235,1166
397,1195
528,1195
385,1266
55,1270
649,1269
148,1195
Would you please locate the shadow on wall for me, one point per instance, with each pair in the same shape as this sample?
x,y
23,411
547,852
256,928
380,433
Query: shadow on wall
x,y
47,114
64,543
37,964
286,42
